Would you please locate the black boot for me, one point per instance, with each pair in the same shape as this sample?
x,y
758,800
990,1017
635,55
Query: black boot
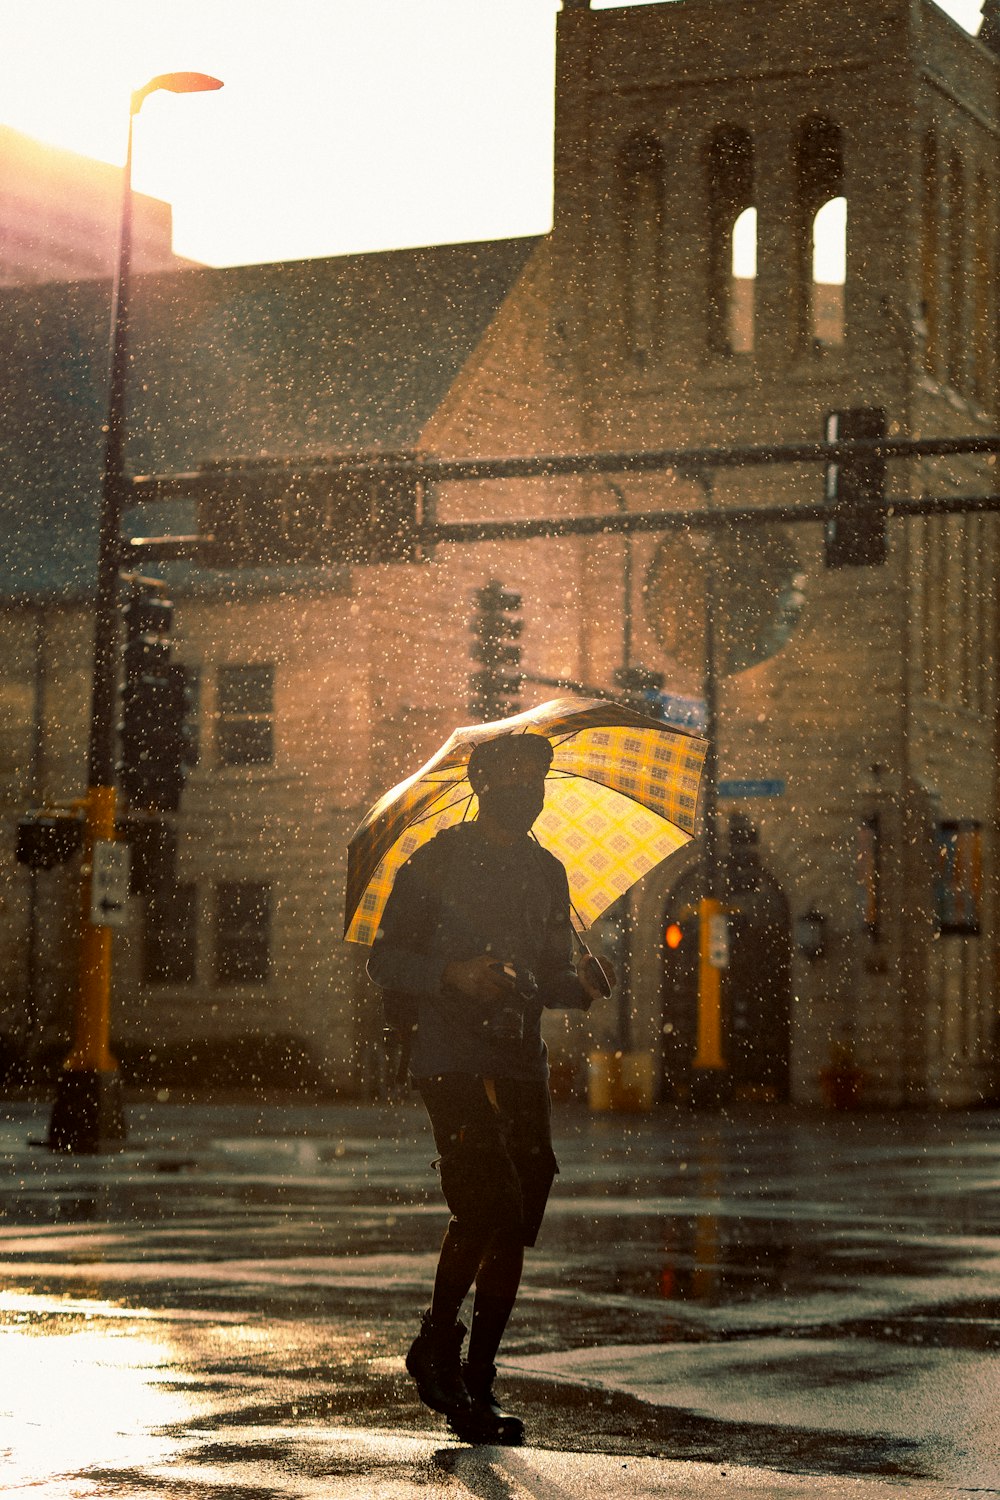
x,y
489,1423
435,1362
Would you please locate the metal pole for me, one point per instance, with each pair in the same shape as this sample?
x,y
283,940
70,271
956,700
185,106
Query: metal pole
x,y
624,1004
708,1067
87,1115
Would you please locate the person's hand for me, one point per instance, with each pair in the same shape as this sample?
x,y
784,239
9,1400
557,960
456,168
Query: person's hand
x,y
597,975
480,978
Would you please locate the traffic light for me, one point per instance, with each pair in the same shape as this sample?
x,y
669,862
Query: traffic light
x,y
855,540
495,689
47,838
257,512
638,688
154,742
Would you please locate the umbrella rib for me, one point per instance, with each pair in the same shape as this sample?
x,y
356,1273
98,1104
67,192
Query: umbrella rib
x,y
573,908
435,807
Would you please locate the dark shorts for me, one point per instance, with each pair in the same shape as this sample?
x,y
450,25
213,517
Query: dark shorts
x,y
496,1161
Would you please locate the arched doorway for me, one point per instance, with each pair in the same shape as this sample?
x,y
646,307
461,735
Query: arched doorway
x,y
756,986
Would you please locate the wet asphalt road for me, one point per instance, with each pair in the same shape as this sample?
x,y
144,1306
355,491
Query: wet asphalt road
x,y
790,1304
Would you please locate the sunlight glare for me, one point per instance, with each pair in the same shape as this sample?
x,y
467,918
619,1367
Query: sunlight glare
x,y
78,1396
326,138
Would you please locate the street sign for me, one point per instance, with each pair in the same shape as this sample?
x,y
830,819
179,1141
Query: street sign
x,y
671,708
718,941
109,884
732,790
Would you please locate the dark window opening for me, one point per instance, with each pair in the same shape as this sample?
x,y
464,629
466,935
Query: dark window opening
x,y
956,275
822,234
245,715
983,279
169,946
732,243
642,174
192,712
869,854
959,882
242,932
930,257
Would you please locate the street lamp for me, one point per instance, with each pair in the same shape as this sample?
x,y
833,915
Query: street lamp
x,y
87,1113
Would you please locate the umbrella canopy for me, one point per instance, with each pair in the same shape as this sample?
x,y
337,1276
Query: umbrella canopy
x,y
620,797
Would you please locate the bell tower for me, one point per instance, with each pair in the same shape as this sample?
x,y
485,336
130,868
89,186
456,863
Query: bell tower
x,y
766,213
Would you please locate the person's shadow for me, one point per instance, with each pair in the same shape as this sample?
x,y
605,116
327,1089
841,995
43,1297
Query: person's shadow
x,y
478,1470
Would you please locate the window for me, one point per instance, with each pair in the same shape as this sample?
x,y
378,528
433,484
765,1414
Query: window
x,y
822,234
956,275
829,271
743,284
245,717
169,950
732,243
982,276
930,256
192,713
242,932
869,871
642,174
958,887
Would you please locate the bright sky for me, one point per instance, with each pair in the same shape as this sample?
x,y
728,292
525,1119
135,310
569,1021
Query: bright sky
x,y
344,125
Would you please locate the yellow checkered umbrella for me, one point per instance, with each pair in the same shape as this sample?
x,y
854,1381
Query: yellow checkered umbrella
x,y
621,795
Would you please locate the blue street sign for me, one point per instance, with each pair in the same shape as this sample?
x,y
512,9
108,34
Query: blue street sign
x,y
732,790
671,708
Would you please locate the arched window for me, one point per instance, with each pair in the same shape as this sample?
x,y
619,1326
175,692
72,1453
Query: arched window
x,y
957,288
829,271
982,277
743,283
930,256
642,177
822,258
732,242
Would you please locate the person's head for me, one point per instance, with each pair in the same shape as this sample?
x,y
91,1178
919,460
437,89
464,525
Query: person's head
x,y
507,774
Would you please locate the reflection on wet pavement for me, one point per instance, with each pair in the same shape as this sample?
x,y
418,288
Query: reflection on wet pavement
x,y
204,1315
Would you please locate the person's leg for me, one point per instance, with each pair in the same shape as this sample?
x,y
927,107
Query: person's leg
x,y
482,1190
497,1283
526,1111
462,1252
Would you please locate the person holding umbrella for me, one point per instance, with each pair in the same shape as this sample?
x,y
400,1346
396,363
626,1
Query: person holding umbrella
x,y
475,941
471,924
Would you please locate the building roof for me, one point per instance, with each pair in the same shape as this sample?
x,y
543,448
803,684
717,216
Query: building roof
x,y
300,358
61,212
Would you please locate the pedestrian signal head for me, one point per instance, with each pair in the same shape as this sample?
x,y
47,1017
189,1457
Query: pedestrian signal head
x,y
673,935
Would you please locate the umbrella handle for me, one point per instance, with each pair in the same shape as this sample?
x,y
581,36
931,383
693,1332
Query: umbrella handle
x,y
585,952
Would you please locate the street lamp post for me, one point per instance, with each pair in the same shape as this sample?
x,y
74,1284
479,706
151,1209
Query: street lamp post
x,y
87,1114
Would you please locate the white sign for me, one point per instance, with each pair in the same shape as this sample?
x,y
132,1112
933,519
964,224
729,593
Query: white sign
x,y
718,941
109,884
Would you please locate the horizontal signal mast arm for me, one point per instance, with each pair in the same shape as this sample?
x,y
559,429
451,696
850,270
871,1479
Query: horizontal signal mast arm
x,y
684,461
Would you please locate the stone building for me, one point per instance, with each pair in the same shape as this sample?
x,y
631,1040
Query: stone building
x,y
865,698
59,216
879,714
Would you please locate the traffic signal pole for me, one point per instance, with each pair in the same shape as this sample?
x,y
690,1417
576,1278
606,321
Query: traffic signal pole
x,y
87,1114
